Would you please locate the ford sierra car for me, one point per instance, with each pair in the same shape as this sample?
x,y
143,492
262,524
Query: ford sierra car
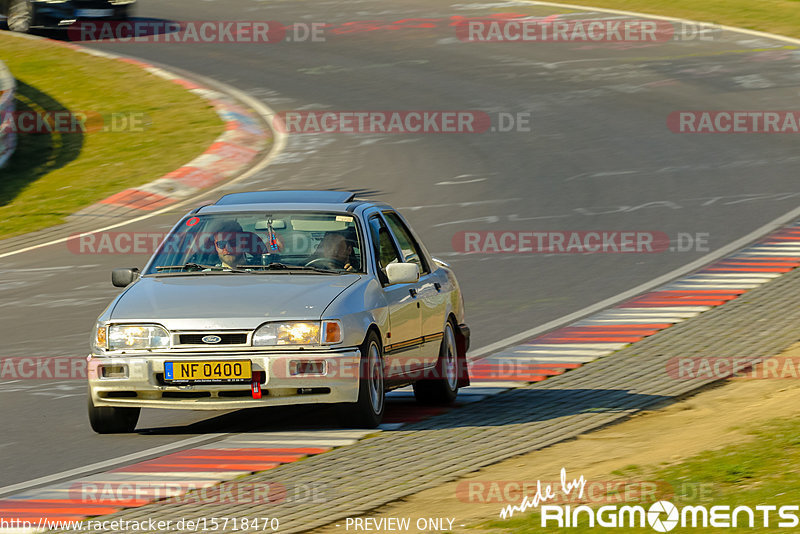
x,y
278,298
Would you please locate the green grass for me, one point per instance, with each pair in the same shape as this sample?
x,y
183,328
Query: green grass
x,y
776,16
761,471
52,176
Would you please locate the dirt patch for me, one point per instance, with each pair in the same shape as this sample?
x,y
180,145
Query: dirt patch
x,y
707,421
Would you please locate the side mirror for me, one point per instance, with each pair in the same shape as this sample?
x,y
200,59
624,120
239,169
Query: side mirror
x,y
402,273
124,277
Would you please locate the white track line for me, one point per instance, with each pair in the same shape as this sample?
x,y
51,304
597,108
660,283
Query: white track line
x,y
107,463
278,144
672,19
705,260
641,288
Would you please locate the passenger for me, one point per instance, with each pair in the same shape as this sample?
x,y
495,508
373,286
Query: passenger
x,y
337,249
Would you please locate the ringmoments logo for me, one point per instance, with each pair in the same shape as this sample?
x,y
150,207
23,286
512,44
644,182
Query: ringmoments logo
x,y
664,516
661,516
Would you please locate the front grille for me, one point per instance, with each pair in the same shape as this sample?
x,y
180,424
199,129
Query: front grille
x,y
120,394
185,394
225,339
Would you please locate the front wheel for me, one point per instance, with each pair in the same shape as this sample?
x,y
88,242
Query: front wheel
x,y
110,420
125,12
367,412
20,16
443,389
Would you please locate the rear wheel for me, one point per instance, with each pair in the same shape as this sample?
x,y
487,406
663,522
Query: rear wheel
x,y
20,16
110,420
444,388
367,412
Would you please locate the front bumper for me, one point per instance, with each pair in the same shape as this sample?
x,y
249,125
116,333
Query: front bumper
x,y
144,385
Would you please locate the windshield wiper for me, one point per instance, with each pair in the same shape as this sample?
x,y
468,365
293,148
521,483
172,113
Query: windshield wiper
x,y
277,266
193,267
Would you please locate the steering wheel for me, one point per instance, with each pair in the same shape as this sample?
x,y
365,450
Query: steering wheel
x,y
325,263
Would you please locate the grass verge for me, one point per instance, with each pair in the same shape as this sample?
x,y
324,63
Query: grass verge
x,y
775,16
758,472
55,174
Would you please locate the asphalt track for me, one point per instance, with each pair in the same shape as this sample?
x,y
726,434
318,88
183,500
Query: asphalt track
x,y
599,156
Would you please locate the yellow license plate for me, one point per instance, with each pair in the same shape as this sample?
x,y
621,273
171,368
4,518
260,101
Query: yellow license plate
x,y
210,372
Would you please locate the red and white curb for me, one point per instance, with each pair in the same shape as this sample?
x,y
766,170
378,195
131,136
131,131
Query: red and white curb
x,y
541,357
610,330
202,469
230,154
227,156
173,476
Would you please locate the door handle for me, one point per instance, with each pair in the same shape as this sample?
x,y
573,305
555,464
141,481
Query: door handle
x,y
413,292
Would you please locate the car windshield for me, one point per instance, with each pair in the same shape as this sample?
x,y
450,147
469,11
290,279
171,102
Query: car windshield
x,y
302,241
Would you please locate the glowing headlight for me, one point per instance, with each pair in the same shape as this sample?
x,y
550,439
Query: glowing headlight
x,y
137,337
298,333
100,337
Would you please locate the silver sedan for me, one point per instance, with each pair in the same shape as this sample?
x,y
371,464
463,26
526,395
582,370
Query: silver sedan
x,y
276,298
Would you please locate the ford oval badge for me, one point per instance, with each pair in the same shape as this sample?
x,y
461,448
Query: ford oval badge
x,y
211,339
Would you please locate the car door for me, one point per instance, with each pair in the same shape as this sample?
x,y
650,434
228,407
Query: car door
x,y
402,343
431,296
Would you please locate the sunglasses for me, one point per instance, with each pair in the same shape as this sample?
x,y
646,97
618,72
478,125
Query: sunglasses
x,y
223,243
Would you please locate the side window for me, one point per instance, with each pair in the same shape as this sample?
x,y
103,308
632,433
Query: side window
x,y
411,251
385,250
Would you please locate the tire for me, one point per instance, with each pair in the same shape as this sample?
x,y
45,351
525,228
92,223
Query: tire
x,y
20,16
368,411
110,420
442,390
125,13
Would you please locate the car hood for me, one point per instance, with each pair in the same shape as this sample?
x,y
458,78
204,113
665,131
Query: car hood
x,y
229,300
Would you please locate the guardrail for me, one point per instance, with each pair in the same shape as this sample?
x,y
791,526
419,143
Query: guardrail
x,y
8,134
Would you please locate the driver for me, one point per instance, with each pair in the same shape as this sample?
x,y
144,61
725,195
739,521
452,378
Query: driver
x,y
337,247
226,236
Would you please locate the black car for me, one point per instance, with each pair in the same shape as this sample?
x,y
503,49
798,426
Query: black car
x,y
23,15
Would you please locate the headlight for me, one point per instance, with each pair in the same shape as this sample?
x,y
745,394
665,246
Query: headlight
x,y
298,333
137,337
100,337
